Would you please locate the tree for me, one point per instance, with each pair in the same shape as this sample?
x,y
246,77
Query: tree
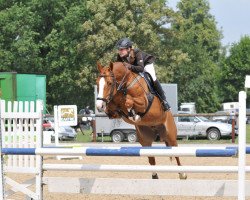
x,y
19,50
198,37
67,84
41,37
234,69
142,21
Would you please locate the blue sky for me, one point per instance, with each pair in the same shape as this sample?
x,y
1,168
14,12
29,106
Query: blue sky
x,y
232,17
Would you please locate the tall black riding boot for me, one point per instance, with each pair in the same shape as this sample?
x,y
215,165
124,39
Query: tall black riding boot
x,y
161,95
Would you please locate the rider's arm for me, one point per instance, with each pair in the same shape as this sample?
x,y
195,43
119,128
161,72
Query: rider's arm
x,y
139,64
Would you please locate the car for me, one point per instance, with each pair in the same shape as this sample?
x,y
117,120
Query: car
x,y
64,132
223,116
198,126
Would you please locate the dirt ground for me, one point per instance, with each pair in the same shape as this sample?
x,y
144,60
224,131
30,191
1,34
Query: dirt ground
x,y
139,175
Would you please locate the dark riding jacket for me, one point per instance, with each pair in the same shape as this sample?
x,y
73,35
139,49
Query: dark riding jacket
x,y
138,60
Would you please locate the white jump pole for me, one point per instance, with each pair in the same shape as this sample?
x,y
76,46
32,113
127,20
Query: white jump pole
x,y
242,142
242,146
142,168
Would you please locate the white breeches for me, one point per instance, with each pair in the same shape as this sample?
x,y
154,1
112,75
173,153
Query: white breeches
x,y
151,70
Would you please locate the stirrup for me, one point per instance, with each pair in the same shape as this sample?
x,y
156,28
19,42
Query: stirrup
x,y
134,115
137,118
131,113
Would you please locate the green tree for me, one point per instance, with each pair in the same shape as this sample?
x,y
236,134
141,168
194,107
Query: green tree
x,y
234,69
142,21
67,83
19,50
198,37
41,37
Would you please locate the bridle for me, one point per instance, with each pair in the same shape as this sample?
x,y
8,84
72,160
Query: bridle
x,y
111,94
117,86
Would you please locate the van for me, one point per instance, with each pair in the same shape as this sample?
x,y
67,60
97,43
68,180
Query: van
x,y
188,107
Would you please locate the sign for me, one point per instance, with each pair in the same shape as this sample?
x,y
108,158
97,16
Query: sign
x,y
67,115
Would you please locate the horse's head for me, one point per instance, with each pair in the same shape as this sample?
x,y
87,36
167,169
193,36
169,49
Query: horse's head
x,y
106,86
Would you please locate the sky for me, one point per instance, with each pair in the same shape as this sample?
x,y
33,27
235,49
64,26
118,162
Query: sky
x,y
232,17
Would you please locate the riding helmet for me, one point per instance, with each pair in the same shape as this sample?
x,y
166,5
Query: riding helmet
x,y
124,43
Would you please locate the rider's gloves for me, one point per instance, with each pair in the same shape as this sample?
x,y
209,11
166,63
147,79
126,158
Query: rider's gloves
x,y
128,66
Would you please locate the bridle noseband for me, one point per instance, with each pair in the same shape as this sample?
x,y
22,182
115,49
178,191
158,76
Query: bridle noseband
x,y
114,84
111,95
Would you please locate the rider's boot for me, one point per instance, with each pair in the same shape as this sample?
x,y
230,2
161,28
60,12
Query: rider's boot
x,y
161,95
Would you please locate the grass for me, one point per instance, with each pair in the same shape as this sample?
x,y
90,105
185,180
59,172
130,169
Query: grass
x,y
87,137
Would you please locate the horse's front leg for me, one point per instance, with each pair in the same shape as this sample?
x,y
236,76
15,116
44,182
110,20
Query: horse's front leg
x,y
129,104
151,161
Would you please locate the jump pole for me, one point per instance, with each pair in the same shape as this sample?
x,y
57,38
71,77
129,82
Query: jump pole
x,y
242,141
142,168
126,151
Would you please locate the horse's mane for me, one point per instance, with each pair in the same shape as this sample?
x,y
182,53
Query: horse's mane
x,y
119,69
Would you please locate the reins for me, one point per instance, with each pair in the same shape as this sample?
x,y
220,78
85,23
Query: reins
x,y
110,97
122,87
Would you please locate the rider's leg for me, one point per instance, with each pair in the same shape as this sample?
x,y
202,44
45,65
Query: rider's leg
x,y
162,96
157,86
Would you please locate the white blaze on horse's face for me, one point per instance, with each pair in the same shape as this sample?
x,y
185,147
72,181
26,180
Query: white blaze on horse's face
x,y
100,103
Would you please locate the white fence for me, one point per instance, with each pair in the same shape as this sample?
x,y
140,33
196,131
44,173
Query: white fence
x,y
26,127
21,127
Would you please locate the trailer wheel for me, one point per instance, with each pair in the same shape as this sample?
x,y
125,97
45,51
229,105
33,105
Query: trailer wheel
x,y
117,136
132,137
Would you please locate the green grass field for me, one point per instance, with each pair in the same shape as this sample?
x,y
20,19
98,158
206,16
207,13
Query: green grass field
x,y
87,137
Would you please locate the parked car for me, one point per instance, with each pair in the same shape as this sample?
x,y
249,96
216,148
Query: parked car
x,y
198,126
64,132
223,118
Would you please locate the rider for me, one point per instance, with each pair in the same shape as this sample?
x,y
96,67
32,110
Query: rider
x,y
139,61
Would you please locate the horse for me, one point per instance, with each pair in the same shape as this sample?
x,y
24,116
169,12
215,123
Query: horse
x,y
120,91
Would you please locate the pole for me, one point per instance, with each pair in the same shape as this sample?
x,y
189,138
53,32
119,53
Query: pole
x,y
242,146
233,129
1,161
56,125
93,124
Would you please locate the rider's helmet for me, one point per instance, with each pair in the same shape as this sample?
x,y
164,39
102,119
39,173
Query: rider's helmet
x,y
124,43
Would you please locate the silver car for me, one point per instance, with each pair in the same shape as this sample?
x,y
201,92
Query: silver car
x,y
64,132
194,126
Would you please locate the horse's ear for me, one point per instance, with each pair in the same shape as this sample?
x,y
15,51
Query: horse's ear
x,y
111,66
99,66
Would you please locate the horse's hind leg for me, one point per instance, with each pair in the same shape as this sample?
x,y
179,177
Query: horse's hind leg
x,y
171,140
145,138
181,175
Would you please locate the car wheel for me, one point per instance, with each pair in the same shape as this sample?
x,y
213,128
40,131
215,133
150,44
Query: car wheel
x,y
132,137
213,134
117,136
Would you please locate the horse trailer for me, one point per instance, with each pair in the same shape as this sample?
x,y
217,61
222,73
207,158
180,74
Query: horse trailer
x,y
118,129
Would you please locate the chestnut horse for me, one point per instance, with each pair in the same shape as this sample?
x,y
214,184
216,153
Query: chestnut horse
x,y
120,91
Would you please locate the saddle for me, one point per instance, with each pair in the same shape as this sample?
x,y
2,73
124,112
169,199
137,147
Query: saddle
x,y
147,77
150,95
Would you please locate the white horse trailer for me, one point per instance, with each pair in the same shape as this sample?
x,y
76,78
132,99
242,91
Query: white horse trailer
x,y
119,130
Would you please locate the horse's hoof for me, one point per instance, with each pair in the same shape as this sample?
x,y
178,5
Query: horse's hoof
x,y
183,176
155,176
